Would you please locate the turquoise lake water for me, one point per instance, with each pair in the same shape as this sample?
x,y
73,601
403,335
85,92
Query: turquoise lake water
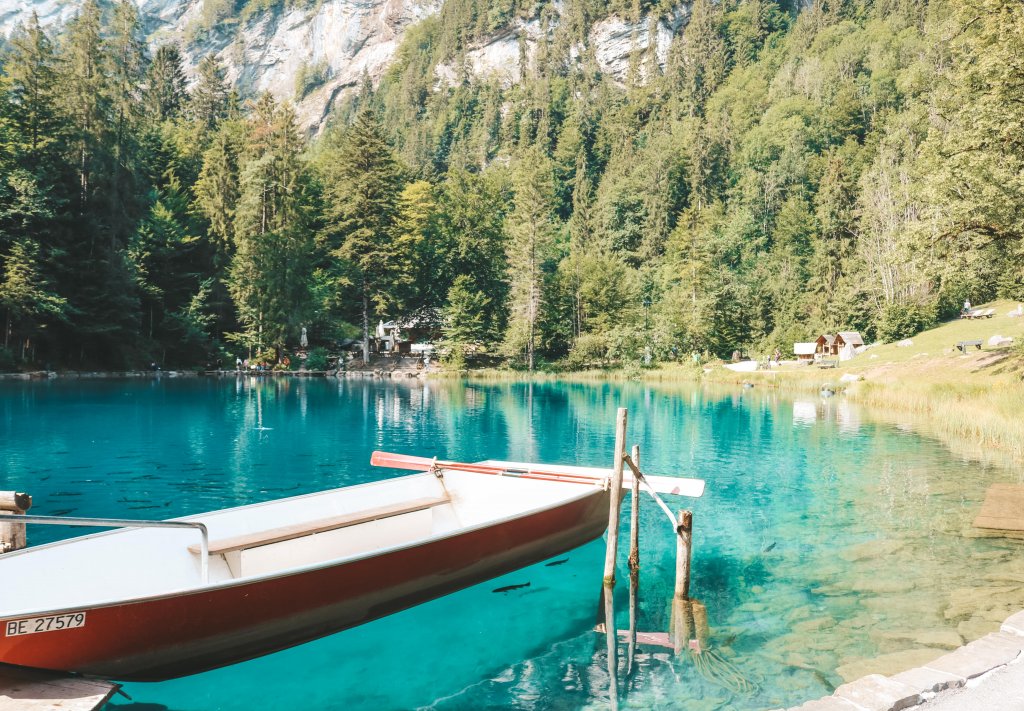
x,y
824,538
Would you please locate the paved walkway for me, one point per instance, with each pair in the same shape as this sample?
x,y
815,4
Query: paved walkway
x,y
1001,690
984,675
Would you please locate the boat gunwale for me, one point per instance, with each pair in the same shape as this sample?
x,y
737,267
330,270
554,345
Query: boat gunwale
x,y
290,572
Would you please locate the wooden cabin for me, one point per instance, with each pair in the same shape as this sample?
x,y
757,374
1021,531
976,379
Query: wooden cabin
x,y
805,351
825,346
852,338
829,346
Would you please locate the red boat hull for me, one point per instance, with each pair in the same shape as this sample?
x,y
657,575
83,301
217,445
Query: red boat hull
x,y
167,637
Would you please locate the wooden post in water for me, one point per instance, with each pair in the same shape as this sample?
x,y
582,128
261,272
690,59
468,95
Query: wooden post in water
x,y
700,624
611,554
12,535
612,637
684,540
634,560
682,610
634,516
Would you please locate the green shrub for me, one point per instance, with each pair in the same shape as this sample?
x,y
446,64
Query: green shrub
x,y
7,360
899,321
589,350
317,359
309,77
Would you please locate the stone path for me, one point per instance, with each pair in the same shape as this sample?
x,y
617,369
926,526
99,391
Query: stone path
x,y
28,690
985,675
1002,690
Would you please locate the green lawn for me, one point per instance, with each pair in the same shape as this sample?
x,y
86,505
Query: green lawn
x,y
939,343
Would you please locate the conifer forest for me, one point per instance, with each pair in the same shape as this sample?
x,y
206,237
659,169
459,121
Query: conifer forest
x,y
788,168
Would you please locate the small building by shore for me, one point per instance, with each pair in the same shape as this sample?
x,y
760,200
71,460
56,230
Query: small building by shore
x,y
805,351
829,346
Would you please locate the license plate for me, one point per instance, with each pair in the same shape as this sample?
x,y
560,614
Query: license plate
x,y
53,623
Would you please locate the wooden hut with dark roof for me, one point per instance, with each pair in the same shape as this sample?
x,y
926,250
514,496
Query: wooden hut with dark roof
x,y
829,346
848,337
825,346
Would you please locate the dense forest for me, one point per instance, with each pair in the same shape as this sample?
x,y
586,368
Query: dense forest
x,y
784,171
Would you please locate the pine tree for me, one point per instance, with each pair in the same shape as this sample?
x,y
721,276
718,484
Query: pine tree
x,y
165,91
86,95
531,228
271,271
363,184
209,101
127,66
24,292
29,86
465,319
217,189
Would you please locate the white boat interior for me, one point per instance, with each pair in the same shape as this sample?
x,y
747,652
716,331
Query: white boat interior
x,y
267,539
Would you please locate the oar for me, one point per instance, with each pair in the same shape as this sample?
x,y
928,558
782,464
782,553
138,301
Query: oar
x,y
680,486
407,461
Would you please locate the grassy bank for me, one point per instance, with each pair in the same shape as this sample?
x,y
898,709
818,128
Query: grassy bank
x,y
973,400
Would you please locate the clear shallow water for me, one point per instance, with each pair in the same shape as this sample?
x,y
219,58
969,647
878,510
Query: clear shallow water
x,y
822,539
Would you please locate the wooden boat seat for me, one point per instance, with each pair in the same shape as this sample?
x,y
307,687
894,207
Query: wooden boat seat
x,y
309,528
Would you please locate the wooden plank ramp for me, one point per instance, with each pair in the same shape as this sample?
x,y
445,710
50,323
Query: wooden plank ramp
x,y
1003,509
30,690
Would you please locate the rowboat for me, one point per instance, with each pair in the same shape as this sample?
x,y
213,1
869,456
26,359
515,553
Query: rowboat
x,y
156,600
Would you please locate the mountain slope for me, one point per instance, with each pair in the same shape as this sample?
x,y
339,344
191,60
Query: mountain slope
x,y
314,53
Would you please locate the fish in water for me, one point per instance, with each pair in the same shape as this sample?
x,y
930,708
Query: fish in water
x,y
770,546
510,588
553,563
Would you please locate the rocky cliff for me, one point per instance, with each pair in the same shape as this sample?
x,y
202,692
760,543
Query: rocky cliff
x,y
312,55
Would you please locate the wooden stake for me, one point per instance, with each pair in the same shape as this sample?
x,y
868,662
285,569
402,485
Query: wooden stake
x,y
684,540
700,624
634,561
612,636
634,516
611,552
681,627
681,624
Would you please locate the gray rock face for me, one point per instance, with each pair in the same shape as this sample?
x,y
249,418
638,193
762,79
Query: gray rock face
x,y
338,41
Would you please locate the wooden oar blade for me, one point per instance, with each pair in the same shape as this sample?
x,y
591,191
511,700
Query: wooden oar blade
x,y
400,461
680,486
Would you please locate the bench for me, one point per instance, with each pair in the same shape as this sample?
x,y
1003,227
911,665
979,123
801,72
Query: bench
x,y
827,363
978,313
321,525
962,346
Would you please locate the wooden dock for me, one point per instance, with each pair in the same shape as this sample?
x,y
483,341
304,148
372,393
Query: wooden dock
x,y
1003,509
27,690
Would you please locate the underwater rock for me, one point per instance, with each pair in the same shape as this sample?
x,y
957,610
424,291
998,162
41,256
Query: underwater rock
x,y
813,624
944,638
964,602
888,664
883,585
871,549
